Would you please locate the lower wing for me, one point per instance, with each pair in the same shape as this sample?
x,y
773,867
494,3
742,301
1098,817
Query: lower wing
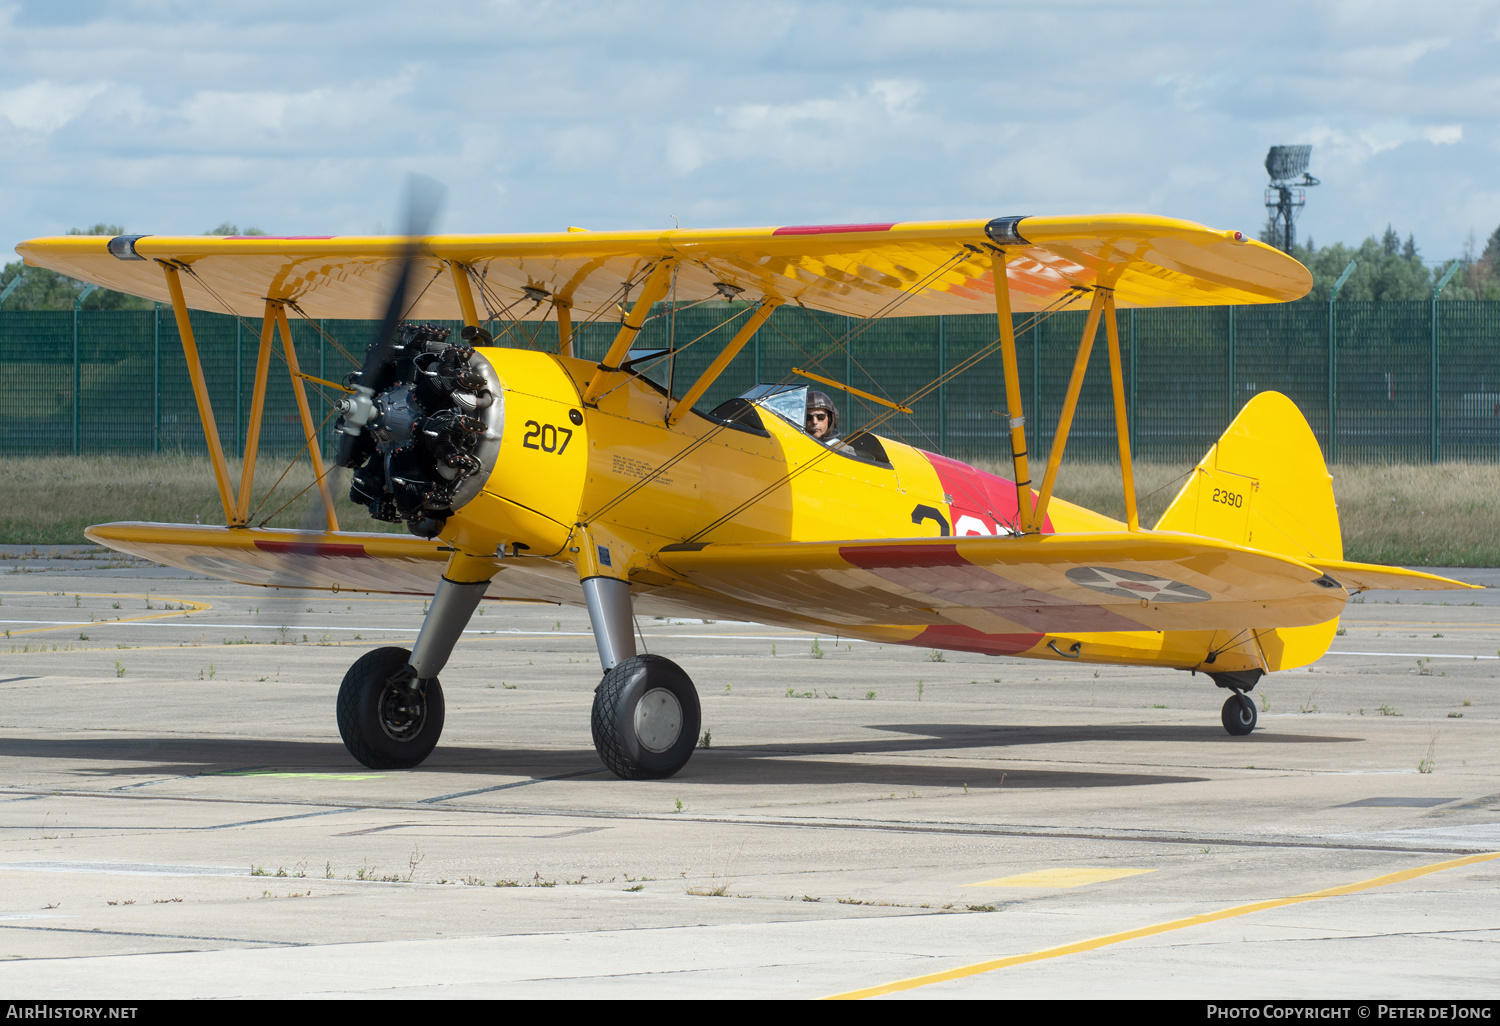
x,y
1035,584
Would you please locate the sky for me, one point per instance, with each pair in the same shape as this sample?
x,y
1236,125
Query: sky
x,y
304,118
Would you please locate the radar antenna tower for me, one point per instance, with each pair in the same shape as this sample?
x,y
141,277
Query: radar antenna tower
x,y
1287,194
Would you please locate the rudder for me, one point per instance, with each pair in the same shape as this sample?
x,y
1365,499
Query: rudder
x,y
1264,485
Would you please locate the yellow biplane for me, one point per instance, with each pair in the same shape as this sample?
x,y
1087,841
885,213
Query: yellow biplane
x,y
525,474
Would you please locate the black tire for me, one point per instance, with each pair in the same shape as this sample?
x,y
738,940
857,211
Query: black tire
x,y
647,742
1239,714
379,723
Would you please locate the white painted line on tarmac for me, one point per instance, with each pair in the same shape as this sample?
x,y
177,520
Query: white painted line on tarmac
x,y
308,628
1416,655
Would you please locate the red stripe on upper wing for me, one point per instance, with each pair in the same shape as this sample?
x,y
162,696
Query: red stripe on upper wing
x,y
832,229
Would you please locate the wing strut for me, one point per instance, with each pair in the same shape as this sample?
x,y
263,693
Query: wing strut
x,y
257,410
200,390
466,307
309,430
1122,419
1029,520
1070,404
708,377
656,288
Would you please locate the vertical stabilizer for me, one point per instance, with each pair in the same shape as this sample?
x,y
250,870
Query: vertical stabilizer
x,y
1264,484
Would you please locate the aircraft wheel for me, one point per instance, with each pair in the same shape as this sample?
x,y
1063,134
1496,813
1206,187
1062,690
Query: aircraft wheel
x,y
1239,714
646,718
386,721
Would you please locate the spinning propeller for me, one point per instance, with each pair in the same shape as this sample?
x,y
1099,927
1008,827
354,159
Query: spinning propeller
x,y
424,197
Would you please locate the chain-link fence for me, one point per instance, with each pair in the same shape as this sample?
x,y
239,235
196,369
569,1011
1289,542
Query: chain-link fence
x,y
1378,381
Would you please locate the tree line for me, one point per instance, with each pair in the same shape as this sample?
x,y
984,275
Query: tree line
x,y
47,290
1388,268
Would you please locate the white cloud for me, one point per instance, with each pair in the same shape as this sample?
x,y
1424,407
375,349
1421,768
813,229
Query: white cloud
x,y
45,106
300,117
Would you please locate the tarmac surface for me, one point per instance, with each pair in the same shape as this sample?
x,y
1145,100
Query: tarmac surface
x,y
178,817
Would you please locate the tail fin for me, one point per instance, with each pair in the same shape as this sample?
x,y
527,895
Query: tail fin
x,y
1264,484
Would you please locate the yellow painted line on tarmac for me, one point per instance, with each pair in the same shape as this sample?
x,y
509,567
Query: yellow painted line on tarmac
x,y
197,607
1150,931
1061,877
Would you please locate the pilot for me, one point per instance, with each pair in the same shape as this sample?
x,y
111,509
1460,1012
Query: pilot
x,y
823,420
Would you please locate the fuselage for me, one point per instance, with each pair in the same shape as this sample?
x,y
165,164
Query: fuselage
x,y
579,491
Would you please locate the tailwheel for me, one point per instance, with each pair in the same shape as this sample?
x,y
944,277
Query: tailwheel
x,y
646,718
387,717
1239,714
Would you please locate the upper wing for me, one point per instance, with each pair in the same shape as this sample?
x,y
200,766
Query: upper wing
x,y
946,266
1035,584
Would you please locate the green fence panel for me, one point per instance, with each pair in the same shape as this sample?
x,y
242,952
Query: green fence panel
x,y
1378,381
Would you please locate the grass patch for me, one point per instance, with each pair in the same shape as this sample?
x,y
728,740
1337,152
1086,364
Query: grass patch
x,y
1442,514
49,500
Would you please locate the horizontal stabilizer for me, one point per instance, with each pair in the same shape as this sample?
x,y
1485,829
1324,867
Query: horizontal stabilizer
x,y
1357,577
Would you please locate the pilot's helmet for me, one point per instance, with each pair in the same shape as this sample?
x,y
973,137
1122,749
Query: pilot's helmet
x,y
820,401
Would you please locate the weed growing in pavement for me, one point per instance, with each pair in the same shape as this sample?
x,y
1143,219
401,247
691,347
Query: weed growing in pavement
x,y
817,650
119,668
636,887
1388,710
706,741
413,861
1429,762
936,655
679,805
919,689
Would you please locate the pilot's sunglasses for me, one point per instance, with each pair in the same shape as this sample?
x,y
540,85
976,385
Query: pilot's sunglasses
x,y
817,416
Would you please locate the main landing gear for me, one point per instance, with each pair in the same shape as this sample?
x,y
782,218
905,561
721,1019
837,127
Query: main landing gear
x,y
1239,714
390,707
646,715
